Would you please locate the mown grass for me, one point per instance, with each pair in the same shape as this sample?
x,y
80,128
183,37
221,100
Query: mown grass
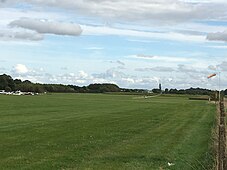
x,y
95,131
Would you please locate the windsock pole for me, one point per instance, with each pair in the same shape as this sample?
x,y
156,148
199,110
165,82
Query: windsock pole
x,y
219,84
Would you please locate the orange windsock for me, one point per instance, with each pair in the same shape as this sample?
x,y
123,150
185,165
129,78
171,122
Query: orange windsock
x,y
212,75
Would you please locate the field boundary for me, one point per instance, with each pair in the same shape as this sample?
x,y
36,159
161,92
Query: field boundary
x,y
222,157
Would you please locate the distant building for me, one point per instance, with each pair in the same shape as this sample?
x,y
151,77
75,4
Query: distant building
x,y
160,86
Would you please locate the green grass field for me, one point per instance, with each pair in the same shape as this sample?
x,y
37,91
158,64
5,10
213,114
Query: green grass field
x,y
95,131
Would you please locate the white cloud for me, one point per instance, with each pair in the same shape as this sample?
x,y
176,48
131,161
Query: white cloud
x,y
218,36
189,69
83,74
213,68
129,80
144,56
11,14
223,66
180,68
80,81
161,58
103,30
120,63
198,28
100,80
162,11
204,1
162,7
20,35
111,73
47,27
20,69
219,67
185,77
157,68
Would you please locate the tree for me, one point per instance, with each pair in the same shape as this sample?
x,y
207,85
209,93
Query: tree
x,y
8,89
6,81
156,91
102,88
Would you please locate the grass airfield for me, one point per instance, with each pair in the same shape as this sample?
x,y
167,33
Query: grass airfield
x,y
104,131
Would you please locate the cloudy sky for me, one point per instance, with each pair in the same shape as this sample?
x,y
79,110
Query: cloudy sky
x,y
133,43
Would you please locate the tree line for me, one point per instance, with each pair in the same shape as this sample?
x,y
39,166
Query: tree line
x,y
191,91
8,84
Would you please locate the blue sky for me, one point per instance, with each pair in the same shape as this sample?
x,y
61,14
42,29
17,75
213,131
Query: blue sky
x,y
135,44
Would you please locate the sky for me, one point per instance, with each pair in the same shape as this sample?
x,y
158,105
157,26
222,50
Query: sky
x,y
132,43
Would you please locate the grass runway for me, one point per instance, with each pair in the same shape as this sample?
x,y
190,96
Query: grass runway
x,y
98,131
